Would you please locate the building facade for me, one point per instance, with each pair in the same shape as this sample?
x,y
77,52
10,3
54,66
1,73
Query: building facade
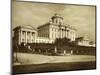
x,y
46,33
55,28
84,41
25,34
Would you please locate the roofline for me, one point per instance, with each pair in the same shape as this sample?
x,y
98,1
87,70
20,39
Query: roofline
x,y
18,27
43,25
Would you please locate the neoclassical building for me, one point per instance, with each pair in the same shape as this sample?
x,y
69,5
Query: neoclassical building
x,y
26,34
46,33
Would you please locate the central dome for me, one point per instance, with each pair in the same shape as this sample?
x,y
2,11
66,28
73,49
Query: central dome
x,y
56,15
57,19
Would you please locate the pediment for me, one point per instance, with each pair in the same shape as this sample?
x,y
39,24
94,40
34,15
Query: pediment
x,y
29,27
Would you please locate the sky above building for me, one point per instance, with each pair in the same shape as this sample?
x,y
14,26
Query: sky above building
x,y
79,16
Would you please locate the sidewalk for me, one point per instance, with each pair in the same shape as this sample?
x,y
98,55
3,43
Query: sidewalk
x,y
26,58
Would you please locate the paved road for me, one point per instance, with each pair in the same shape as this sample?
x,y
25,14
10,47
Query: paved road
x,y
52,67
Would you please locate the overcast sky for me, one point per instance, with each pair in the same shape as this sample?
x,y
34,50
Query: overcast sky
x,y
36,14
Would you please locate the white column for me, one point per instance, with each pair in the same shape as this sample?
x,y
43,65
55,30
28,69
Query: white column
x,y
55,33
61,33
74,35
64,33
55,21
67,33
31,37
71,36
19,37
26,36
34,35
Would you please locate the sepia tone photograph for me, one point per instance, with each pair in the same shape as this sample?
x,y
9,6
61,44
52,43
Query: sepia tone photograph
x,y
52,37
